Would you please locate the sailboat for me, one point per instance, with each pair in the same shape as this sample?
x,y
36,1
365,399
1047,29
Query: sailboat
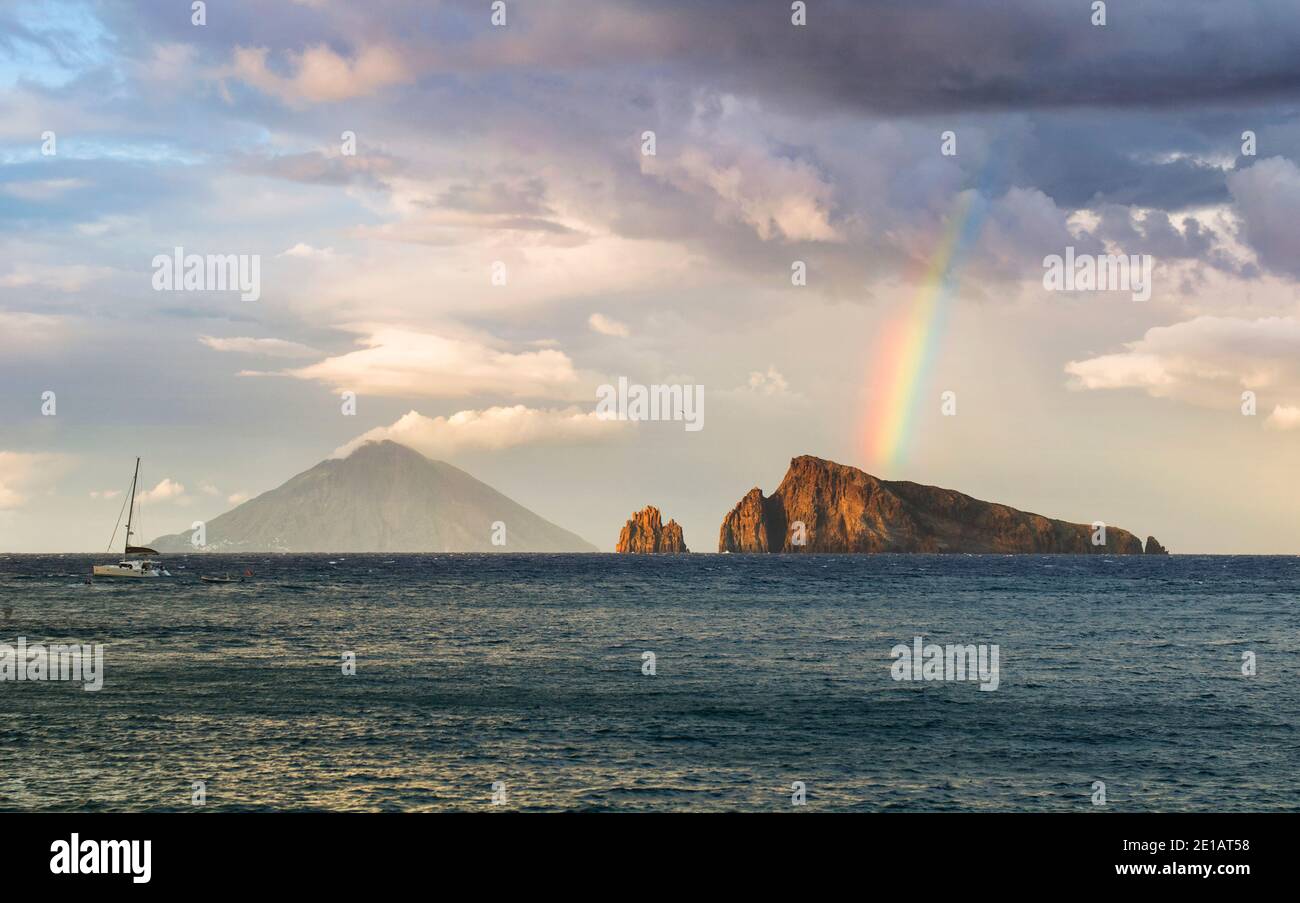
x,y
136,561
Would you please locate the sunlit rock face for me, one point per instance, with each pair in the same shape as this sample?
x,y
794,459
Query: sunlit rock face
x,y
646,533
822,506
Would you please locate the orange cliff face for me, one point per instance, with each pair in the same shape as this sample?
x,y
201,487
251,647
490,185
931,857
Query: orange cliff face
x,y
646,533
822,506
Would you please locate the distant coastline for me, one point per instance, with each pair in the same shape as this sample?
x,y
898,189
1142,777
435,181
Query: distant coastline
x,y
388,498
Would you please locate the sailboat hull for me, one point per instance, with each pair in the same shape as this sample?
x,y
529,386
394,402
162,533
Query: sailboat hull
x,y
122,570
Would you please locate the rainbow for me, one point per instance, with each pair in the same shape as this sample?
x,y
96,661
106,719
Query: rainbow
x,y
907,346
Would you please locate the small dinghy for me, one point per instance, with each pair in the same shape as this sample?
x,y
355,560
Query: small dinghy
x,y
218,579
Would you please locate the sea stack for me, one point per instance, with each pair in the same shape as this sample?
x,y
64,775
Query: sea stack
x,y
1154,547
645,533
822,506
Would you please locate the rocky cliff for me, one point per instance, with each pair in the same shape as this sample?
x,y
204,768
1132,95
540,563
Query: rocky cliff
x,y
822,506
646,533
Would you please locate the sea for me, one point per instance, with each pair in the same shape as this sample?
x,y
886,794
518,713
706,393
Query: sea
x,y
657,683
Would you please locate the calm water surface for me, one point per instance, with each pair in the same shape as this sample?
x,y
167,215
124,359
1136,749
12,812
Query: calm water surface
x,y
527,669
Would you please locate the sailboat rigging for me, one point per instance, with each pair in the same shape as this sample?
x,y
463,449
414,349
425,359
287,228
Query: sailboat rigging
x,y
136,561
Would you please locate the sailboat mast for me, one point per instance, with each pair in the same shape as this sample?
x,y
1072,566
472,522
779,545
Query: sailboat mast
x,y
131,513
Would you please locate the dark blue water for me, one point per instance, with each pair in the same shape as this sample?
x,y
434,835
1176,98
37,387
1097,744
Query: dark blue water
x,y
474,669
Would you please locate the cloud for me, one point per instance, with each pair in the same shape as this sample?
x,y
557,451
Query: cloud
x,y
779,198
1284,417
607,325
769,383
955,56
319,75
307,251
372,169
522,198
41,189
238,498
68,278
407,364
105,493
107,225
1267,198
24,472
268,347
492,429
1206,361
22,331
170,64
167,490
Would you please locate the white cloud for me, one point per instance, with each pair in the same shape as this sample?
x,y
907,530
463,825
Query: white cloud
x,y
238,498
404,363
1206,361
25,472
106,225
1126,370
306,251
248,345
492,429
105,493
166,490
769,383
608,325
70,278
41,189
1284,417
319,74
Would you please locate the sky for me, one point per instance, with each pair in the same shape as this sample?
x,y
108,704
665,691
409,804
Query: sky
x,y
837,228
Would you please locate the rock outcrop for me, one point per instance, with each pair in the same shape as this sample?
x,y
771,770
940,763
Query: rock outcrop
x,y
822,506
756,524
1154,547
646,533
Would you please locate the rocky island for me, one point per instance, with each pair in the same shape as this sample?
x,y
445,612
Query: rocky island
x,y
822,506
646,533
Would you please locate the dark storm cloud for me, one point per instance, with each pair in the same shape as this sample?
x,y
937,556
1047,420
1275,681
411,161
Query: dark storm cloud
x,y
531,126
901,57
880,56
1091,158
